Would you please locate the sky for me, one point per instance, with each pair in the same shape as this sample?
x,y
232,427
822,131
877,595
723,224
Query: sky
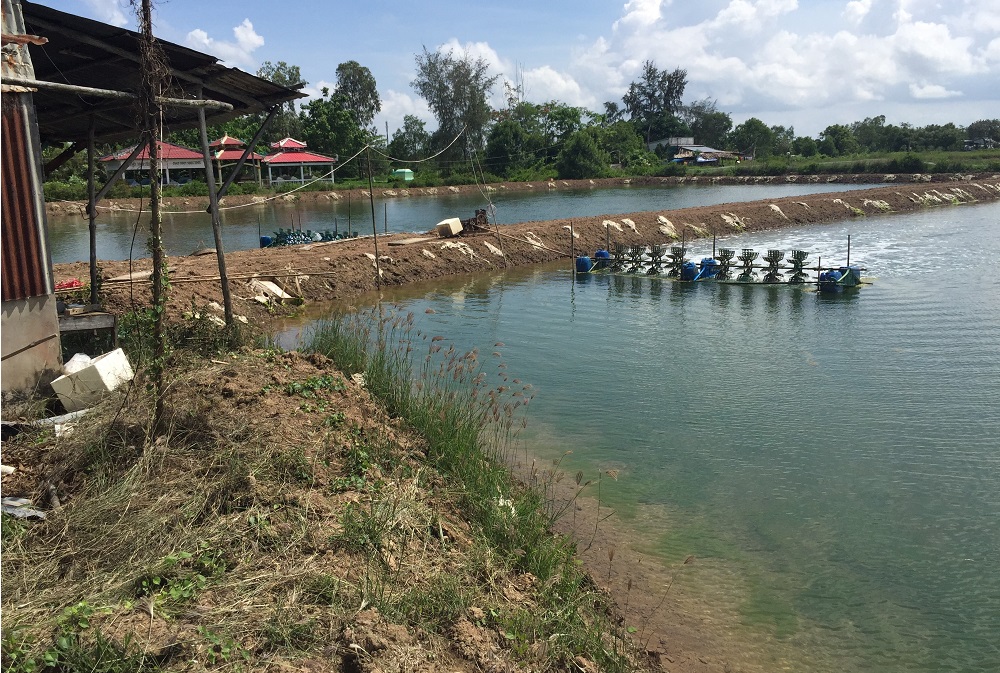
x,y
805,64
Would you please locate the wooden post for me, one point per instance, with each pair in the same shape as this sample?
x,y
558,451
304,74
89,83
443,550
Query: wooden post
x,y
92,209
248,150
848,250
371,199
572,247
213,207
385,213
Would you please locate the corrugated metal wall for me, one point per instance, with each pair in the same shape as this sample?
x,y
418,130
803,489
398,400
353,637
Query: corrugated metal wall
x,y
25,271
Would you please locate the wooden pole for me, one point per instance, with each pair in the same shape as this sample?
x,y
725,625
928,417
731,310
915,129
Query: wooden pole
x,y
246,153
572,247
153,68
213,208
848,250
371,199
92,209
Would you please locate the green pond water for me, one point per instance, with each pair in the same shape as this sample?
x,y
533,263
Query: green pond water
x,y
121,235
833,462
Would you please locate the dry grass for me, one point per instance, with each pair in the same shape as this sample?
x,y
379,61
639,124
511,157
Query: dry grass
x,y
281,521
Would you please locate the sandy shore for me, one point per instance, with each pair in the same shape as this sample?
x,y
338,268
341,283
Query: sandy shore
x,y
334,271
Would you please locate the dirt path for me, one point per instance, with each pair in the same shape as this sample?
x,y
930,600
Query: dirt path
x,y
340,270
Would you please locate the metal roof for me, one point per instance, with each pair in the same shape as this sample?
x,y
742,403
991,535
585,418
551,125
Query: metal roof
x,y
166,151
82,52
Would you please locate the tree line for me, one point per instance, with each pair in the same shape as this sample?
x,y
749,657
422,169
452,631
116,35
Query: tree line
x,y
524,140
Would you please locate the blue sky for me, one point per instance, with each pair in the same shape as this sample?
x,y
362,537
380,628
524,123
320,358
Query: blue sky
x,y
801,63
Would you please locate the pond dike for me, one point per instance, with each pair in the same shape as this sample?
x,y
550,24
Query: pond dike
x,y
341,270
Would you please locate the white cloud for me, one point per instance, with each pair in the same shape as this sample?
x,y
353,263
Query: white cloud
x,y
857,10
109,11
932,91
396,105
545,84
237,53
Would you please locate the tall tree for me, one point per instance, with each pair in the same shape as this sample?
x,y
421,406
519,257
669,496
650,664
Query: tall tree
x,y
870,134
837,140
656,95
330,127
411,141
582,158
457,91
752,137
984,128
286,122
707,123
356,85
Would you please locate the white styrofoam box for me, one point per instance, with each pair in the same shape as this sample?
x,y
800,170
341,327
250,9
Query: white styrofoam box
x,y
450,227
86,387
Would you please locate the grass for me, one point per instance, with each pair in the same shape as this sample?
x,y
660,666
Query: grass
x,y
279,514
471,421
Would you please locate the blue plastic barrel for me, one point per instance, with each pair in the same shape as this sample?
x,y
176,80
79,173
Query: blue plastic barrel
x,y
583,264
850,276
709,267
829,281
603,259
266,241
689,271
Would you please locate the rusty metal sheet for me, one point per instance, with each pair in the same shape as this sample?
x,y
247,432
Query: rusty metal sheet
x,y
25,263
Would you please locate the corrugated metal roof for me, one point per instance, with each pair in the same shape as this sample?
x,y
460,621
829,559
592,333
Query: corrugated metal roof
x,y
167,151
89,53
25,260
297,157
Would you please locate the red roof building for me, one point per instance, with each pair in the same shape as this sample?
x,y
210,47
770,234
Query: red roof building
x,y
227,151
292,154
181,160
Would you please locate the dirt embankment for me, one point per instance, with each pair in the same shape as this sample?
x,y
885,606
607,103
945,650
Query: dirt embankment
x,y
185,203
340,270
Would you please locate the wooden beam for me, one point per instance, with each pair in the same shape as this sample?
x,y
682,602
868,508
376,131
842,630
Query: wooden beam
x,y
111,93
62,158
247,153
133,57
118,173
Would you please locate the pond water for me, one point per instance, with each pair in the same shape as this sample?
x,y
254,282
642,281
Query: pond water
x,y
121,235
832,461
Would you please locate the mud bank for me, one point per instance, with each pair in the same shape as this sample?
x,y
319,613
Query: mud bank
x,y
335,271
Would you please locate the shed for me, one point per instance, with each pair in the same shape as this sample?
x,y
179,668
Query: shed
x,y
68,79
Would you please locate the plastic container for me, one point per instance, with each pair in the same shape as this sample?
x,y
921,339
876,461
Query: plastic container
x,y
87,386
602,259
583,264
266,241
689,271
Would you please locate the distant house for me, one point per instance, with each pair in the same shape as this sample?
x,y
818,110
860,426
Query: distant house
x,y
701,154
669,143
292,162
227,151
980,144
177,164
